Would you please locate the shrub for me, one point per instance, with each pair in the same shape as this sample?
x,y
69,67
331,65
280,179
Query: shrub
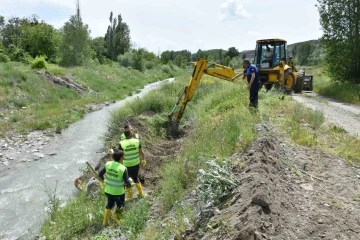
x,y
39,63
125,60
166,69
149,65
4,58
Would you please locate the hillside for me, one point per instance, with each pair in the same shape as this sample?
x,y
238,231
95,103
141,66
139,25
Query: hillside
x,y
53,98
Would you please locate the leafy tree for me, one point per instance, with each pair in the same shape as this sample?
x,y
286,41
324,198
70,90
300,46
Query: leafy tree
x,y
233,52
39,39
117,38
340,22
98,46
137,60
303,53
74,48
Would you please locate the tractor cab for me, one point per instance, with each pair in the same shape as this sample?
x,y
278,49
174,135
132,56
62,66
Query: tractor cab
x,y
269,52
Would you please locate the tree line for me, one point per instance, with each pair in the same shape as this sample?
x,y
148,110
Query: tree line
x,y
23,39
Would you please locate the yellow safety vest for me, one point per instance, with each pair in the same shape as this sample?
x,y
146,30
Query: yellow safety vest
x,y
131,151
114,178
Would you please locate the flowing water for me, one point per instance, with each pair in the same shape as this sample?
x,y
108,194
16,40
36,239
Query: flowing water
x,y
22,190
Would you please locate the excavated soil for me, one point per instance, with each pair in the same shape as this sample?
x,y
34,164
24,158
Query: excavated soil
x,y
156,154
285,192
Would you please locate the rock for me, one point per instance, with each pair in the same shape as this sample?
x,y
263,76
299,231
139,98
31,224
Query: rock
x,y
208,205
35,150
251,152
107,104
307,187
52,154
320,221
39,155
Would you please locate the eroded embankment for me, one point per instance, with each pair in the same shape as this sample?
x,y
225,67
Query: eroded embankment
x,y
284,192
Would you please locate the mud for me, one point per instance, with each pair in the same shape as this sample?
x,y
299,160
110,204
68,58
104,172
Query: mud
x,y
156,154
285,192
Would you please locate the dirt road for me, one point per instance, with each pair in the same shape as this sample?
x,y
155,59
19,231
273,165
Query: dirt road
x,y
344,115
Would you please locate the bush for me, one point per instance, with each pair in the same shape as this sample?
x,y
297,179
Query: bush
x,y
166,69
125,60
137,61
149,65
4,58
39,63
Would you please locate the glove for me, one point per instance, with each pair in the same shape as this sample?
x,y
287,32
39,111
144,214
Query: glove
x,y
143,163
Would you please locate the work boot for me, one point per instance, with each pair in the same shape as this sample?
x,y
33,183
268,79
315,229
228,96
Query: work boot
x,y
140,190
118,213
106,217
128,194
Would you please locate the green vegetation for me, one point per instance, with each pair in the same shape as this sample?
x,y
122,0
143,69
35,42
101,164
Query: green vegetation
x,y
227,124
341,39
342,91
26,106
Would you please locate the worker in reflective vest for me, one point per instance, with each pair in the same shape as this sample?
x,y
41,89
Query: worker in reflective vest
x,y
128,127
117,178
132,155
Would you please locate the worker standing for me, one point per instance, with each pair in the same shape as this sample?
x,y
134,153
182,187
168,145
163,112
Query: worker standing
x,y
128,127
116,176
132,155
252,75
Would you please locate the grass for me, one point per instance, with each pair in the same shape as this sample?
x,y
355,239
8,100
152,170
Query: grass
x,y
342,91
29,102
307,127
221,124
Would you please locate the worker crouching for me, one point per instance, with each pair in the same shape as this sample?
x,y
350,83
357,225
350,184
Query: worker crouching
x,y
132,155
117,178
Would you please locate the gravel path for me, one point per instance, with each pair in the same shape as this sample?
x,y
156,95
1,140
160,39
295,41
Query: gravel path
x,y
344,115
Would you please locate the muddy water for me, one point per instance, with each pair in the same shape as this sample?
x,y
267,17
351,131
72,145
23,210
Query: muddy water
x,y
22,191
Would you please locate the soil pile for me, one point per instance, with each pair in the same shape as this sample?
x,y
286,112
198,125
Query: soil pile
x,y
286,192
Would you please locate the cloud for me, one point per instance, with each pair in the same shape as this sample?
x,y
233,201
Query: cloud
x,y
233,10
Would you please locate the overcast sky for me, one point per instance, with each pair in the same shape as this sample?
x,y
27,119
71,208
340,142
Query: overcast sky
x,y
160,25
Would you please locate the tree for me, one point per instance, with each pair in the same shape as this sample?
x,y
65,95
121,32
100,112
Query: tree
x,y
233,52
98,46
39,39
340,22
117,37
74,48
243,56
303,53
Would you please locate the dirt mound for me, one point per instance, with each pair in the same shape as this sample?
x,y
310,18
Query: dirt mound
x,y
65,81
156,153
276,200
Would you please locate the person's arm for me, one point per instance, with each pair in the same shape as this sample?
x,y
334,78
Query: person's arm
x,y
101,173
126,179
252,70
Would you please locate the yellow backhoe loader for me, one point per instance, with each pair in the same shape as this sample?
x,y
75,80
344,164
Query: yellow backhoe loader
x,y
277,69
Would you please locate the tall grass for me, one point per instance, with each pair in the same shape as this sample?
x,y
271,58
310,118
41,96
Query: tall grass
x,y
342,91
40,104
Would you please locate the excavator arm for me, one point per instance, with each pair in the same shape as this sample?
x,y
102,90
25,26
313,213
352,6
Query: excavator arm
x,y
201,68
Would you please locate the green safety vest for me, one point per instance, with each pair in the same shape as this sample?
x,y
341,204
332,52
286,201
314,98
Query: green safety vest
x,y
131,151
122,137
114,178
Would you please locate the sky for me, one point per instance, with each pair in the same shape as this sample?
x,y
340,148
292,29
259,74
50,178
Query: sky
x,y
160,25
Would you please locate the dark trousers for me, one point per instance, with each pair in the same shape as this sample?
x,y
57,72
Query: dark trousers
x,y
112,199
254,92
134,173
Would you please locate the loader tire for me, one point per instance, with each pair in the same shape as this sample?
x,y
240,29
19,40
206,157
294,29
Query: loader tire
x,y
289,80
300,82
311,85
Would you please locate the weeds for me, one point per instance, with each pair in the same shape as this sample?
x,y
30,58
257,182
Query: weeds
x,y
53,203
